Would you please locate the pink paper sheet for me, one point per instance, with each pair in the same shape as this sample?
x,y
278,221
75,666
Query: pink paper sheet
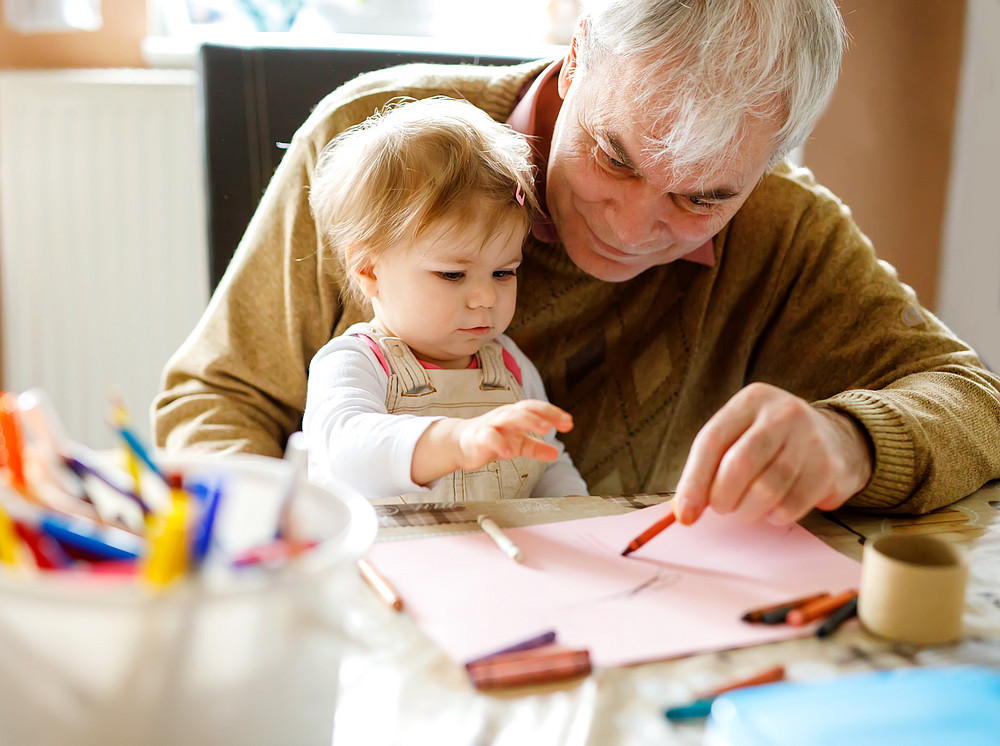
x,y
683,592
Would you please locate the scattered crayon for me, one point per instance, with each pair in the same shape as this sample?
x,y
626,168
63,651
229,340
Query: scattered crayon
x,y
776,613
837,617
702,706
819,608
538,641
538,666
380,585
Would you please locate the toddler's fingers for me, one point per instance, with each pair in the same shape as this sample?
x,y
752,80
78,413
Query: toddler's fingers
x,y
553,416
539,449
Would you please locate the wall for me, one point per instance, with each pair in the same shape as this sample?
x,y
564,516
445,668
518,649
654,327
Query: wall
x,y
116,44
884,145
970,273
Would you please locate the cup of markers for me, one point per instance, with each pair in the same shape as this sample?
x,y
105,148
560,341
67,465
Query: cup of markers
x,y
193,601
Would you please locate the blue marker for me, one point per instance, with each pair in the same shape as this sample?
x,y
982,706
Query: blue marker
x,y
139,450
91,540
203,533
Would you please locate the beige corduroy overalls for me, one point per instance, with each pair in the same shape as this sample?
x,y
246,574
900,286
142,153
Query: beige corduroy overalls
x,y
465,393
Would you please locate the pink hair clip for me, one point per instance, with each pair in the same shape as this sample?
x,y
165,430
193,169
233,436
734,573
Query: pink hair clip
x,y
519,195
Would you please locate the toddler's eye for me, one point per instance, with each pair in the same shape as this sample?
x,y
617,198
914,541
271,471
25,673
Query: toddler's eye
x,y
503,274
450,276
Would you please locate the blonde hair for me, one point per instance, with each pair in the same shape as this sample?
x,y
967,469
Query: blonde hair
x,y
412,165
709,64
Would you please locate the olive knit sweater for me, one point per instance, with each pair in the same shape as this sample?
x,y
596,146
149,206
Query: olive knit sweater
x,y
796,298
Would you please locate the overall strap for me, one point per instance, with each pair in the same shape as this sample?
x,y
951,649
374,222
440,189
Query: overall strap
x,y
411,373
495,375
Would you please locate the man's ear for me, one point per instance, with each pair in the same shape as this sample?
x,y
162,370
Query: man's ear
x,y
569,66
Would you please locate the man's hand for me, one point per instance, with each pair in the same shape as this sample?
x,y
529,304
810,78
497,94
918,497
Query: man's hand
x,y
769,454
503,433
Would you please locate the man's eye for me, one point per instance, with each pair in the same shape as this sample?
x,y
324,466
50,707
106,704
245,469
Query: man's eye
x,y
450,276
504,274
610,161
701,203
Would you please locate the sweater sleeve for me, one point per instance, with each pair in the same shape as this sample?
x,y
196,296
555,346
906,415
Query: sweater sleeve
x,y
237,384
560,477
848,335
350,436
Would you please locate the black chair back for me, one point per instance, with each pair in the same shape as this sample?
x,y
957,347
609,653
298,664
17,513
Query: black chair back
x,y
253,99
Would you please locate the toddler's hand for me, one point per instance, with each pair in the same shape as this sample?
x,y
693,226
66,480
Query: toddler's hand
x,y
509,431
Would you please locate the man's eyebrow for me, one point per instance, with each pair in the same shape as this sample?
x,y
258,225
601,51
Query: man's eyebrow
x,y
717,194
620,152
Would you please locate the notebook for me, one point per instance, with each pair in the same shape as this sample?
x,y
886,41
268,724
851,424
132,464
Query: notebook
x,y
915,707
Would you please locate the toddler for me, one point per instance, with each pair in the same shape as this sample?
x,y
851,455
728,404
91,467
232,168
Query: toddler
x,y
426,206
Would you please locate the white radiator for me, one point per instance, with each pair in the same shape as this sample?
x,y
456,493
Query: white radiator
x,y
103,258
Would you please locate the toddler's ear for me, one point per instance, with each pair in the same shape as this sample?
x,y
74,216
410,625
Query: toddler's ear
x,y
366,279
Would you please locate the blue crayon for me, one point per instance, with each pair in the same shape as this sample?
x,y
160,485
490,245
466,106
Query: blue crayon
x,y
700,708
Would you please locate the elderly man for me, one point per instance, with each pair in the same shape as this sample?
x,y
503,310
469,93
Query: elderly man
x,y
713,319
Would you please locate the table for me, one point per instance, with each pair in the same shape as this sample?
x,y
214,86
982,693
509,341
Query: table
x,y
397,687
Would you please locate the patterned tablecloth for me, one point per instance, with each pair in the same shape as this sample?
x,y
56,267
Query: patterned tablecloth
x,y
398,688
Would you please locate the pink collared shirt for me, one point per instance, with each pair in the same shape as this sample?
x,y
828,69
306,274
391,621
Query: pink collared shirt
x,y
525,119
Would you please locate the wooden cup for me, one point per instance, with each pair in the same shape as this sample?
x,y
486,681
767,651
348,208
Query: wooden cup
x,y
912,589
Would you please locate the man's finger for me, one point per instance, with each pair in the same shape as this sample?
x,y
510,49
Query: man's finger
x,y
744,463
707,450
771,487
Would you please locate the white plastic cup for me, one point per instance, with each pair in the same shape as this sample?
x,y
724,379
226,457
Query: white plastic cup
x,y
245,659
912,589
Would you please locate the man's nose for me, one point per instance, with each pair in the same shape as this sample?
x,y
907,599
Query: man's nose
x,y
637,217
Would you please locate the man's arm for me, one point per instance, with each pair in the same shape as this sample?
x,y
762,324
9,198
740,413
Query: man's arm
x,y
893,412
238,383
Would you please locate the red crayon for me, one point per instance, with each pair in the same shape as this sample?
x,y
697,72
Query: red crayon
x,y
649,533
538,666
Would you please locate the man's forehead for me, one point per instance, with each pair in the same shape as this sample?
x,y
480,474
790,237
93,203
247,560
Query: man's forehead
x,y
634,129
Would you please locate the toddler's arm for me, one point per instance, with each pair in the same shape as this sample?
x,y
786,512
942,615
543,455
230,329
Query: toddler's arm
x,y
506,432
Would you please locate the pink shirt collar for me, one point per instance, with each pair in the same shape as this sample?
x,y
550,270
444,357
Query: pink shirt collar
x,y
525,119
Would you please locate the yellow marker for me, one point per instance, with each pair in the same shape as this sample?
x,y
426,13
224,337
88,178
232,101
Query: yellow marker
x,y
10,544
168,557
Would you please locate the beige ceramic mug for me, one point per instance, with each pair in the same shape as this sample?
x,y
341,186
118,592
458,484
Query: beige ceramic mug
x,y
912,589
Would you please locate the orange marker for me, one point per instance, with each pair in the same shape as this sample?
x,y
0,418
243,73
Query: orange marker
x,y
649,533
819,608
10,433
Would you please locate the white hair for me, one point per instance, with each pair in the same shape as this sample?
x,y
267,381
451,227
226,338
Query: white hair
x,y
709,65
